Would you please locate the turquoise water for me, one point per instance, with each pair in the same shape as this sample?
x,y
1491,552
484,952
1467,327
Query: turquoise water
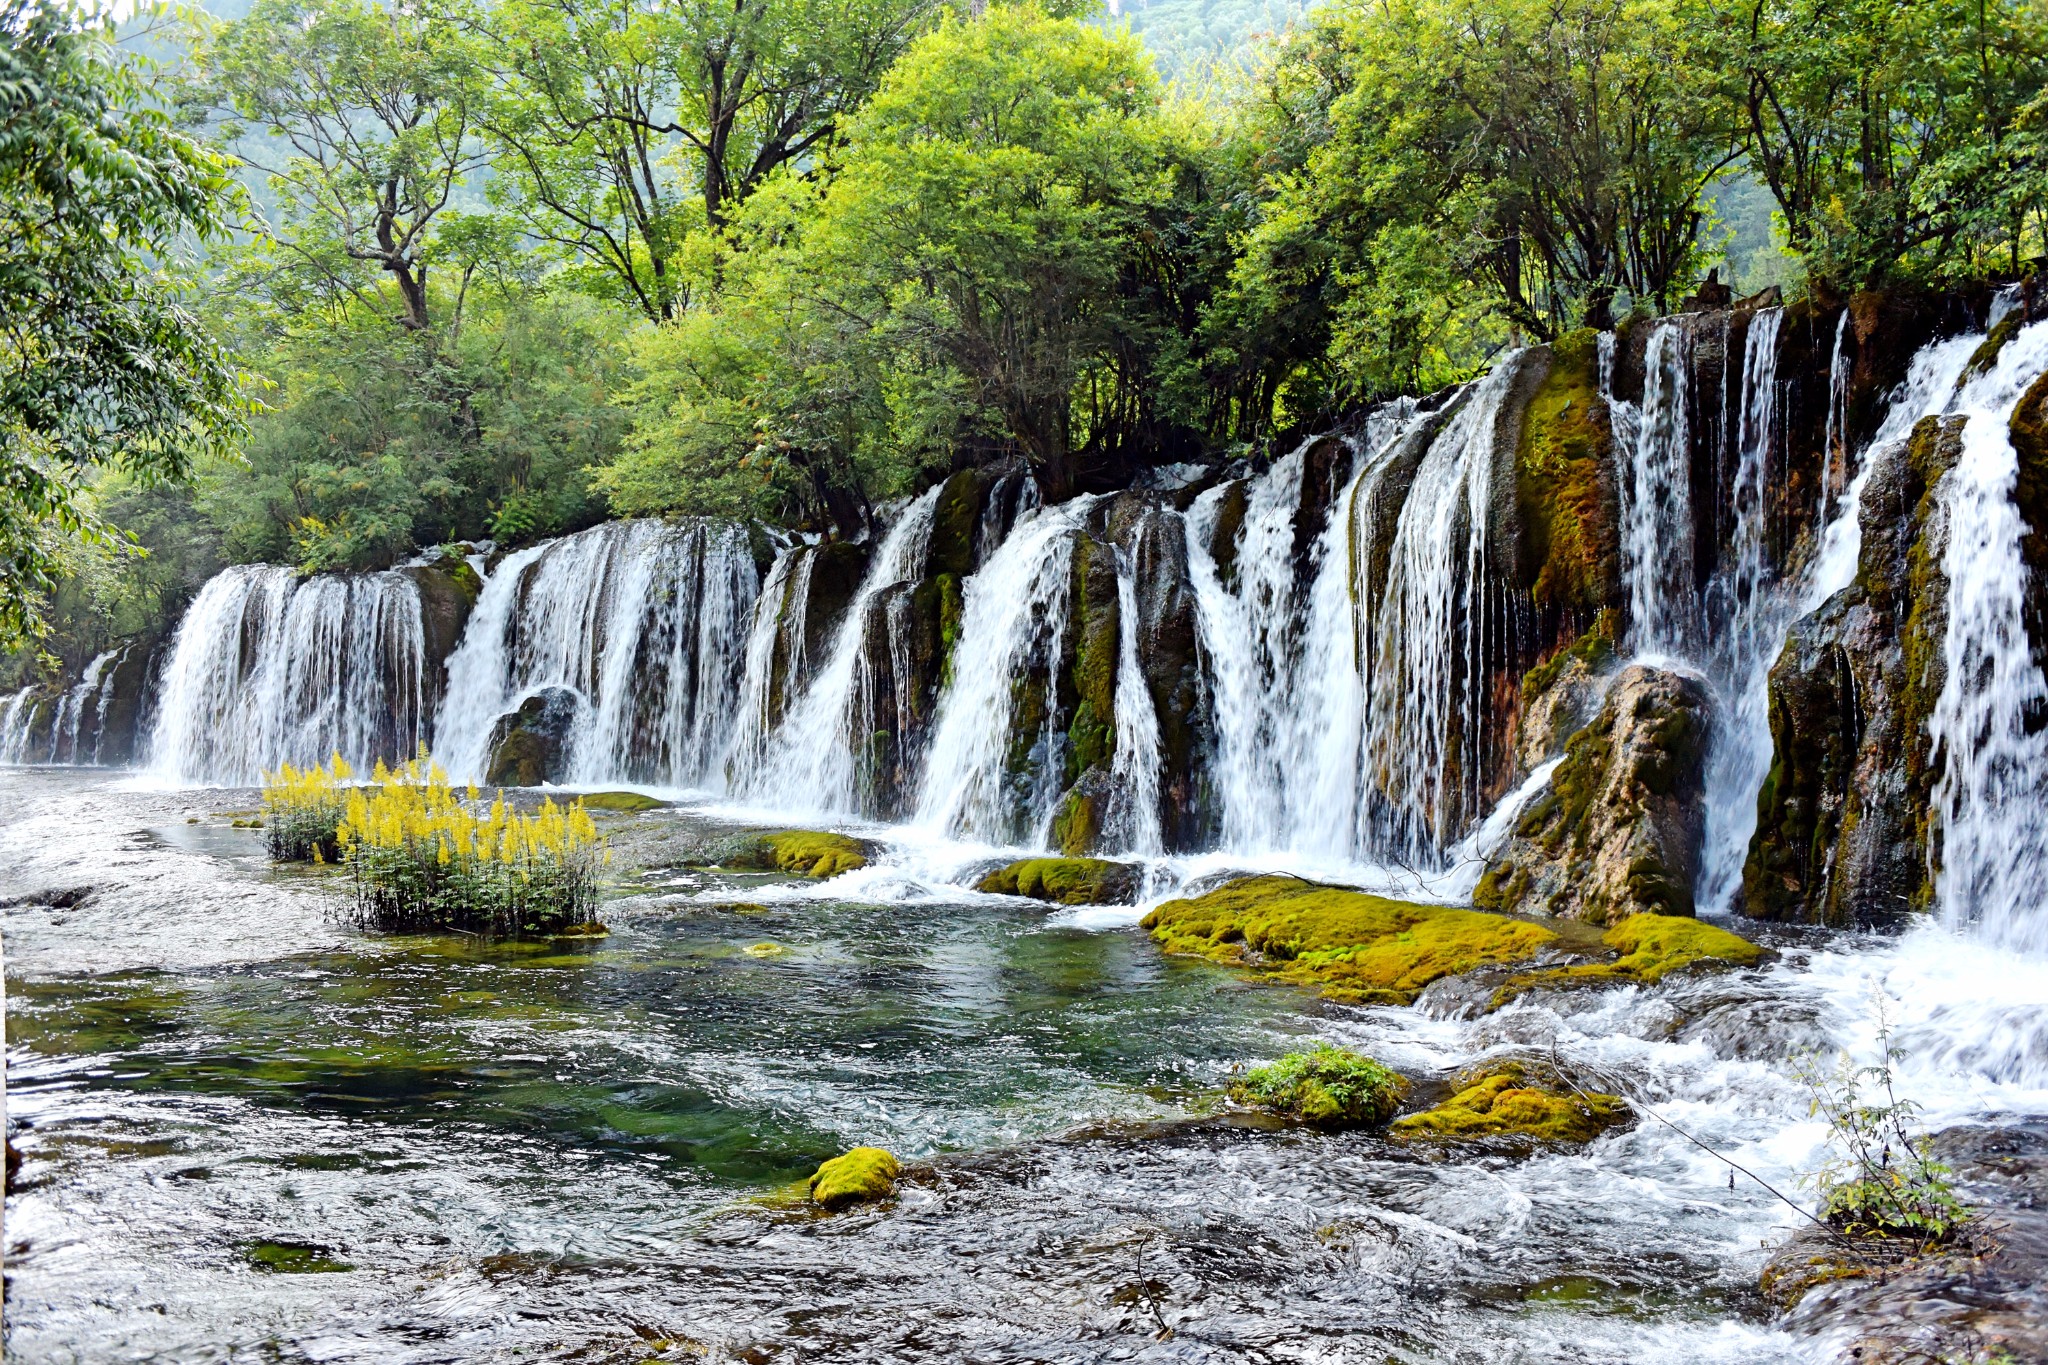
x,y
253,1133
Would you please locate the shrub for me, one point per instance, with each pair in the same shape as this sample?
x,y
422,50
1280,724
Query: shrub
x,y
421,859
1881,1179
1325,1085
303,809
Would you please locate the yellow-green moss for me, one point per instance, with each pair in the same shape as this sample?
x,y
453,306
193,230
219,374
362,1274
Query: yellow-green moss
x,y
628,802
1065,881
1328,1086
1356,948
1651,947
808,853
1512,1101
1559,464
860,1176
1594,647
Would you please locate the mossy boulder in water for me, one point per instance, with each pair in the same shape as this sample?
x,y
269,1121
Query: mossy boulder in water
x,y
1066,881
530,746
629,803
1354,947
807,853
1516,1099
1650,948
1330,1087
861,1176
1619,830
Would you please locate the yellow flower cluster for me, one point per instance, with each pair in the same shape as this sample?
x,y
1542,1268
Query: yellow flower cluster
x,y
414,807
303,807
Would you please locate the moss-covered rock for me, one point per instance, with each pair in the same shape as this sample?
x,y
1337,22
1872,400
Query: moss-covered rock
x,y
1561,695
1618,833
1649,948
863,1175
1516,1099
530,746
1066,881
1354,947
625,802
1565,485
1330,1087
804,852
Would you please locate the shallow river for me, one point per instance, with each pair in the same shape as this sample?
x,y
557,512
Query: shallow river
x,y
251,1133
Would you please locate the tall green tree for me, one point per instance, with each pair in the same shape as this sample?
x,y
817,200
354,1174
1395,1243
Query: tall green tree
x,y
1899,137
102,365
625,124
365,119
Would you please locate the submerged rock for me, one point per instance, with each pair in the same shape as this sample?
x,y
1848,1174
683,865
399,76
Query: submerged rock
x,y
1618,833
861,1176
531,745
1354,947
1066,881
808,853
1330,1087
1517,1099
627,802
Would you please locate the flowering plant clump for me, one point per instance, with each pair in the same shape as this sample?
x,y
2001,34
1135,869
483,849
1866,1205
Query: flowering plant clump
x,y
421,859
302,810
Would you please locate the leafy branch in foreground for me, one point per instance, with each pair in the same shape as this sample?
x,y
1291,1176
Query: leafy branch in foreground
x,y
420,860
1882,1179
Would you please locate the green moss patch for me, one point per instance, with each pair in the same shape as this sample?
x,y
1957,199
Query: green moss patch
x,y
807,853
861,1176
1651,947
1515,1100
1568,517
1354,947
1328,1086
293,1258
626,802
1066,881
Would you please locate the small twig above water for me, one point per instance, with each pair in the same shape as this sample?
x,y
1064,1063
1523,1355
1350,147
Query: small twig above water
x,y
1150,1295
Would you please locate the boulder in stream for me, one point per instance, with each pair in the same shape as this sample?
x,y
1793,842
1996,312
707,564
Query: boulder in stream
x,y
1618,833
530,746
861,1176
1066,881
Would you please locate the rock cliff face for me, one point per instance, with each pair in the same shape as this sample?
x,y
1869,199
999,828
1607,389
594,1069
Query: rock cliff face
x,y
1843,819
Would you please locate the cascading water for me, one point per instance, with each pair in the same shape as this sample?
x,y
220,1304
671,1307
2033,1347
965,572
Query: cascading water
x,y
1987,725
87,694
1746,617
641,620
1137,759
778,617
1013,629
811,761
270,668
1657,517
14,726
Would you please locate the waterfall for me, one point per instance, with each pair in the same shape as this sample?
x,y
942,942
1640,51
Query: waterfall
x,y
1747,615
1655,441
1426,709
1012,634
88,692
1135,765
778,624
641,621
1339,714
811,761
1987,724
14,726
270,668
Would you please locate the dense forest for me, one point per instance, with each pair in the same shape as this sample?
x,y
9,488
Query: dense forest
x,y
469,270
